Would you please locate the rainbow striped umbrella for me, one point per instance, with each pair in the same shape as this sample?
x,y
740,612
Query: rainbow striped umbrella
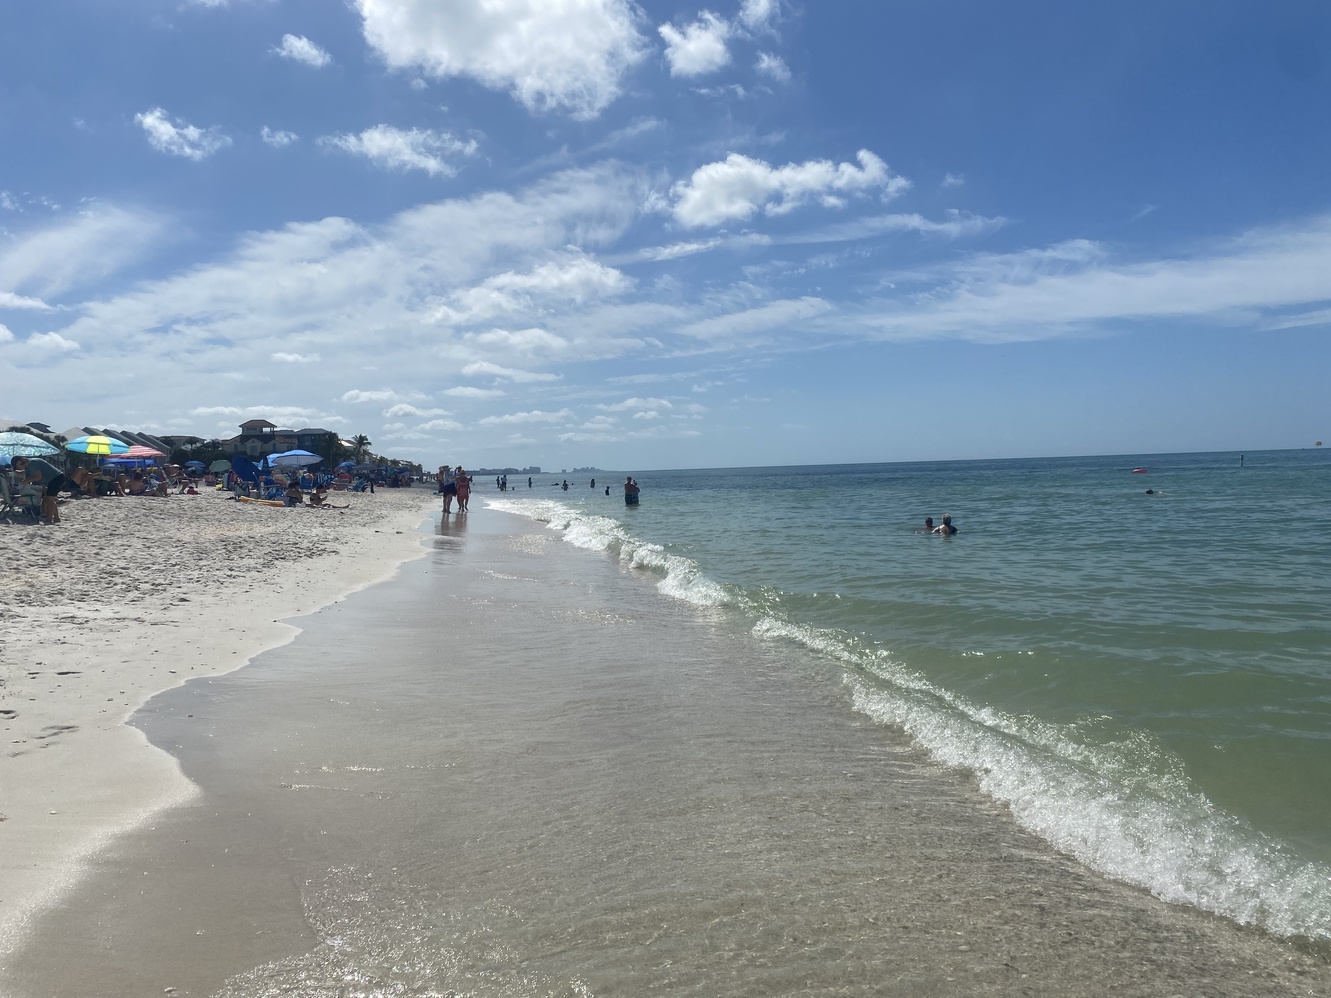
x,y
97,444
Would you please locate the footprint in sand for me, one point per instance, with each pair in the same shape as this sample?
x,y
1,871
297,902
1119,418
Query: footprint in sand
x,y
52,730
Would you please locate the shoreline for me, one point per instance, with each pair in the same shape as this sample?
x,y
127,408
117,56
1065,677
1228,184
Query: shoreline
x,y
128,598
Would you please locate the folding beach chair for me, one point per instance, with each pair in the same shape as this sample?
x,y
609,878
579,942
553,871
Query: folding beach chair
x,y
12,503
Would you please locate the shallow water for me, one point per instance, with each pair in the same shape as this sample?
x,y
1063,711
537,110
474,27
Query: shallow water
x,y
529,768
1144,679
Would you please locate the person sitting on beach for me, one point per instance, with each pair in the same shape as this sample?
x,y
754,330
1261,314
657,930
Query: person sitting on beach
x,y
294,496
946,528
137,486
35,477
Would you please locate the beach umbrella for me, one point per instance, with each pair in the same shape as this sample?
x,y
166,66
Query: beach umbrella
x,y
4,460
221,464
347,464
194,464
14,444
138,450
293,459
97,444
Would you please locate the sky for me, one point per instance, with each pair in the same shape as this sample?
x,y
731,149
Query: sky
x,y
652,235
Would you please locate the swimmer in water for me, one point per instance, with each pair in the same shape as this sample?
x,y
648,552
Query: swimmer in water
x,y
946,528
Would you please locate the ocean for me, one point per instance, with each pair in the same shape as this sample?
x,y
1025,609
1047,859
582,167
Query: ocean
x,y
1143,678
761,736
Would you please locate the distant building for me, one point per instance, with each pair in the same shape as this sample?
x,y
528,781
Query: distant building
x,y
258,437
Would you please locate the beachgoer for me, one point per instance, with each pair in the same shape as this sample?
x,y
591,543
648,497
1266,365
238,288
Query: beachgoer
x,y
946,528
630,492
295,497
528,481
449,487
593,485
464,489
33,476
928,524
565,485
607,490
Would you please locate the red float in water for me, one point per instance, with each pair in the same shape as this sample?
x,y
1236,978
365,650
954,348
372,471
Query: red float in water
x,y
1139,471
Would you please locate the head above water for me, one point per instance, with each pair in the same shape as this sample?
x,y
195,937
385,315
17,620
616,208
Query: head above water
x,y
947,519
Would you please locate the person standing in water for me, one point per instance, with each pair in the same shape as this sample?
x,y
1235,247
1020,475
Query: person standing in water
x,y
946,528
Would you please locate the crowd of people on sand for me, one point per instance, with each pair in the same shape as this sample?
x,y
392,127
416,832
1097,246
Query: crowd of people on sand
x,y
38,488
35,485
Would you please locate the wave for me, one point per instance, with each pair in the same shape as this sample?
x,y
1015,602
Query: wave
x,y
1116,799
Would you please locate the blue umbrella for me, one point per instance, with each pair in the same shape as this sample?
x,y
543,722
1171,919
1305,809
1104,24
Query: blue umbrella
x,y
15,444
293,459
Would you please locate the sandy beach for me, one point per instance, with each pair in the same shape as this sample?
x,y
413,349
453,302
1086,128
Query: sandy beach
x,y
126,598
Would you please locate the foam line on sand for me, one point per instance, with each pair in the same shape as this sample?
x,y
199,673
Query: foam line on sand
x,y
128,597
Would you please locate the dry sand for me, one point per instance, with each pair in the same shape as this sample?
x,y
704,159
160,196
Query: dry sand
x,y
127,597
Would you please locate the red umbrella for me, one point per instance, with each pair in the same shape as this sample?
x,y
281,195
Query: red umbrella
x,y
138,450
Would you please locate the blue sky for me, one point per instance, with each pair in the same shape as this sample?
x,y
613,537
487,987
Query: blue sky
x,y
571,232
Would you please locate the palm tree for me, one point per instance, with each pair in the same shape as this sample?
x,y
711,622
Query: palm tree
x,y
361,443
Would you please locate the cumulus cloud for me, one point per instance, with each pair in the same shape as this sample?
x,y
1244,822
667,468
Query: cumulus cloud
x,y
179,138
508,373
636,403
404,409
574,279
10,300
468,392
757,14
411,149
551,55
738,187
295,358
52,341
699,48
276,137
5,335
300,49
356,396
535,416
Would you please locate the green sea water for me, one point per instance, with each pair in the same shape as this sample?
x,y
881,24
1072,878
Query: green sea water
x,y
1143,679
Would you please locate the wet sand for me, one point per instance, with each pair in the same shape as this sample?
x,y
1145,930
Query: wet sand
x,y
127,597
516,769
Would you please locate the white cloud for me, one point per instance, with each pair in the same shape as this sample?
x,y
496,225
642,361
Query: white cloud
x,y
276,137
178,138
551,55
412,149
468,392
773,66
10,300
700,48
440,424
757,14
772,315
738,187
508,373
5,335
52,341
356,396
404,409
953,180
636,403
292,414
1054,291
574,279
295,358
298,48
76,251
535,416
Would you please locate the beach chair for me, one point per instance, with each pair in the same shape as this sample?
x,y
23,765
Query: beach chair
x,y
12,503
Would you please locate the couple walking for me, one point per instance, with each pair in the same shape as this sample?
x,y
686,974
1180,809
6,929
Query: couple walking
x,y
454,483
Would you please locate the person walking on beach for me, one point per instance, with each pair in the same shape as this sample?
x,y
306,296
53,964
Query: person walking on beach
x,y
449,487
464,490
